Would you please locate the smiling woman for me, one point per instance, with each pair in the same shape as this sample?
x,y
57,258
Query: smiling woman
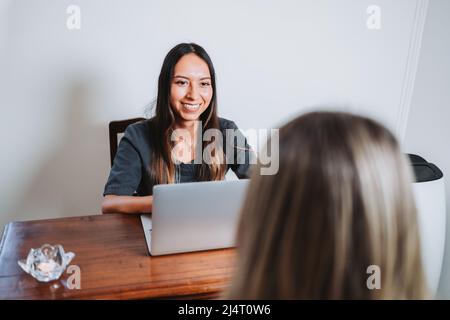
x,y
187,100
191,90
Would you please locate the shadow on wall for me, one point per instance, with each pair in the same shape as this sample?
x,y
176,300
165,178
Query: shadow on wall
x,y
70,181
444,282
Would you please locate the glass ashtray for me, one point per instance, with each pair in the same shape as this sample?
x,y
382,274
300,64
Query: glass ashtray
x,y
46,263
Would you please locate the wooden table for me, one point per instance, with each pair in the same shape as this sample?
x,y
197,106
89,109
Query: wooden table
x,y
114,261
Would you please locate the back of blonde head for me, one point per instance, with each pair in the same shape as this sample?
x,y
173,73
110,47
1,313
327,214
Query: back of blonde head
x,y
341,202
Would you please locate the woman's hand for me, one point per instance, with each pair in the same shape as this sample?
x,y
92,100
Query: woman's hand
x,y
127,204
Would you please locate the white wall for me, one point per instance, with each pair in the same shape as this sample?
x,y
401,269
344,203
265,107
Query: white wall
x,y
60,88
428,130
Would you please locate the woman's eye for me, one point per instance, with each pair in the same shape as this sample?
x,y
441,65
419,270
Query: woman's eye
x,y
181,82
205,84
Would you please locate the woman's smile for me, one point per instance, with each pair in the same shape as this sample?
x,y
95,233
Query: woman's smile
x,y
192,107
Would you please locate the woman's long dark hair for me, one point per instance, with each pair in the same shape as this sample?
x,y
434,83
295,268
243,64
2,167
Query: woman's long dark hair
x,y
162,168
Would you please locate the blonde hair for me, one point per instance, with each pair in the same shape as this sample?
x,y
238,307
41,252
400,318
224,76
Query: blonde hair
x,y
342,201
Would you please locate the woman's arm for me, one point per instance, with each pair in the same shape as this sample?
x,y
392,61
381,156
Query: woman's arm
x,y
244,155
127,204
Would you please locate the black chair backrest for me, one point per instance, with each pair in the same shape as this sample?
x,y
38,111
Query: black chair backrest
x,y
116,128
423,170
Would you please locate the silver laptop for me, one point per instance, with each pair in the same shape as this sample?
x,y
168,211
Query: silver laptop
x,y
193,216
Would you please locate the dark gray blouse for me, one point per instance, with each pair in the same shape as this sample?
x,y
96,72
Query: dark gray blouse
x,y
129,173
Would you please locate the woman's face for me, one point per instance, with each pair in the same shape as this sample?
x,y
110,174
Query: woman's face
x,y
190,89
